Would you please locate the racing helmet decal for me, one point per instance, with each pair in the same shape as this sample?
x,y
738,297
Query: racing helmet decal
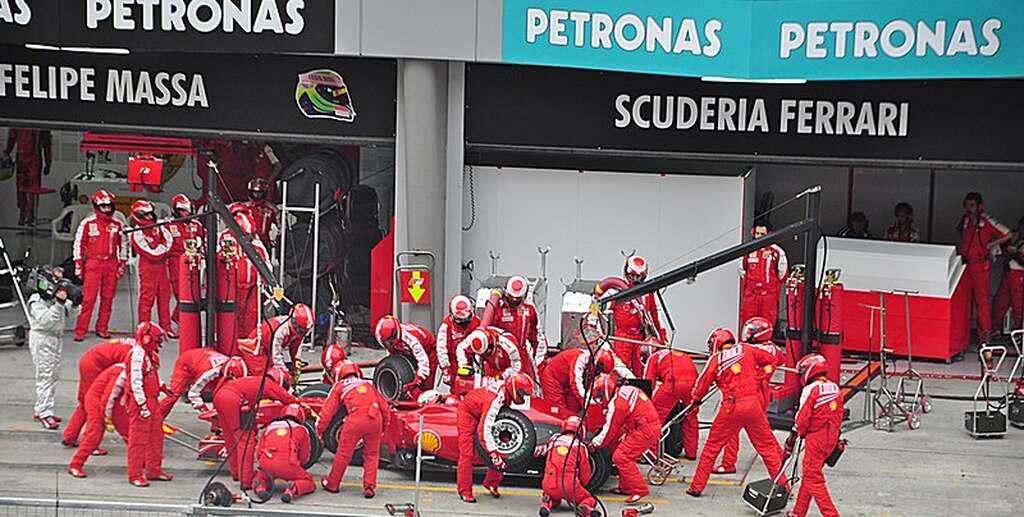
x,y
323,94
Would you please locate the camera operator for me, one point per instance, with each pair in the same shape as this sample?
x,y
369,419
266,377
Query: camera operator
x,y
48,309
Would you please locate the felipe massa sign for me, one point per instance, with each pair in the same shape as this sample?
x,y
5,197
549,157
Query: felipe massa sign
x,y
188,25
779,39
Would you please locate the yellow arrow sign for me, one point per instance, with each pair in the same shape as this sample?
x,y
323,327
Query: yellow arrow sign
x,y
416,289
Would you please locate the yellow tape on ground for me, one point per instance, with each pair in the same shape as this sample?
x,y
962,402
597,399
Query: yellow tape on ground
x,y
523,492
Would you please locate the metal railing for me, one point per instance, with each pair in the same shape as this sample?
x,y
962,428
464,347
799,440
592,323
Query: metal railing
x,y
28,507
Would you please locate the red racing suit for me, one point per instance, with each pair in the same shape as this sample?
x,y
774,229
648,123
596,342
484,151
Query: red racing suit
x,y
417,343
233,399
735,371
102,404
100,253
731,451
180,232
282,450
818,421
975,235
1011,289
34,148
762,275
276,335
195,372
524,325
637,320
632,427
264,217
93,362
145,422
565,379
366,413
476,416
153,247
502,359
449,335
566,471
674,374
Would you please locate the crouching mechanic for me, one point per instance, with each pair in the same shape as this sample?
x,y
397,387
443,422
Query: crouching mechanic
x,y
414,342
47,317
194,371
145,421
93,362
566,471
493,350
366,414
276,335
476,415
103,412
674,374
282,451
631,422
818,422
565,378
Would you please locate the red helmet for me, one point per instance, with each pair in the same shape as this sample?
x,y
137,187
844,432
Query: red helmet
x,y
388,331
720,337
150,336
757,330
235,368
604,361
143,212
515,290
301,318
244,221
518,387
604,389
811,366
635,269
280,376
479,342
103,201
461,309
572,425
181,202
331,356
294,412
346,369
258,188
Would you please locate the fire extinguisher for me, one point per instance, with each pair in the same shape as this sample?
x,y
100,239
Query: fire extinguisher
x,y
190,296
830,322
226,306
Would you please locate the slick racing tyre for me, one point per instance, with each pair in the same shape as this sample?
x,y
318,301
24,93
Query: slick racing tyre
x,y
391,373
600,469
333,434
319,390
516,438
316,445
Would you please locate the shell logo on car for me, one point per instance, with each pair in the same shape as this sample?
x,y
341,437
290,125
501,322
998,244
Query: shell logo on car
x,y
431,442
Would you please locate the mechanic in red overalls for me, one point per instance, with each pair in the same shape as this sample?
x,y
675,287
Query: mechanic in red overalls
x,y
460,321
636,319
152,246
35,155
92,363
674,374
476,416
145,421
366,414
566,377
263,214
734,368
979,234
238,396
756,332
282,451
761,276
1011,289
103,408
194,371
492,349
100,254
277,334
331,356
247,277
632,427
818,422
566,471
518,317
181,231
412,341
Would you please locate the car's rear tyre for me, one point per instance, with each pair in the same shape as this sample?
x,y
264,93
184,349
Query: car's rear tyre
x,y
600,469
516,438
391,373
316,445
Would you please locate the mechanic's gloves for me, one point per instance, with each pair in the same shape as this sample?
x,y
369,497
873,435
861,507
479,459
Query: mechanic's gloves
x,y
790,443
120,270
465,370
108,423
498,462
78,268
144,412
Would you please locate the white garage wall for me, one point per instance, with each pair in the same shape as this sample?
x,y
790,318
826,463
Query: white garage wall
x,y
662,217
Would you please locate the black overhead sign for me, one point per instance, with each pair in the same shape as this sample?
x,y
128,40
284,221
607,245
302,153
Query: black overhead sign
x,y
178,25
951,120
283,94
